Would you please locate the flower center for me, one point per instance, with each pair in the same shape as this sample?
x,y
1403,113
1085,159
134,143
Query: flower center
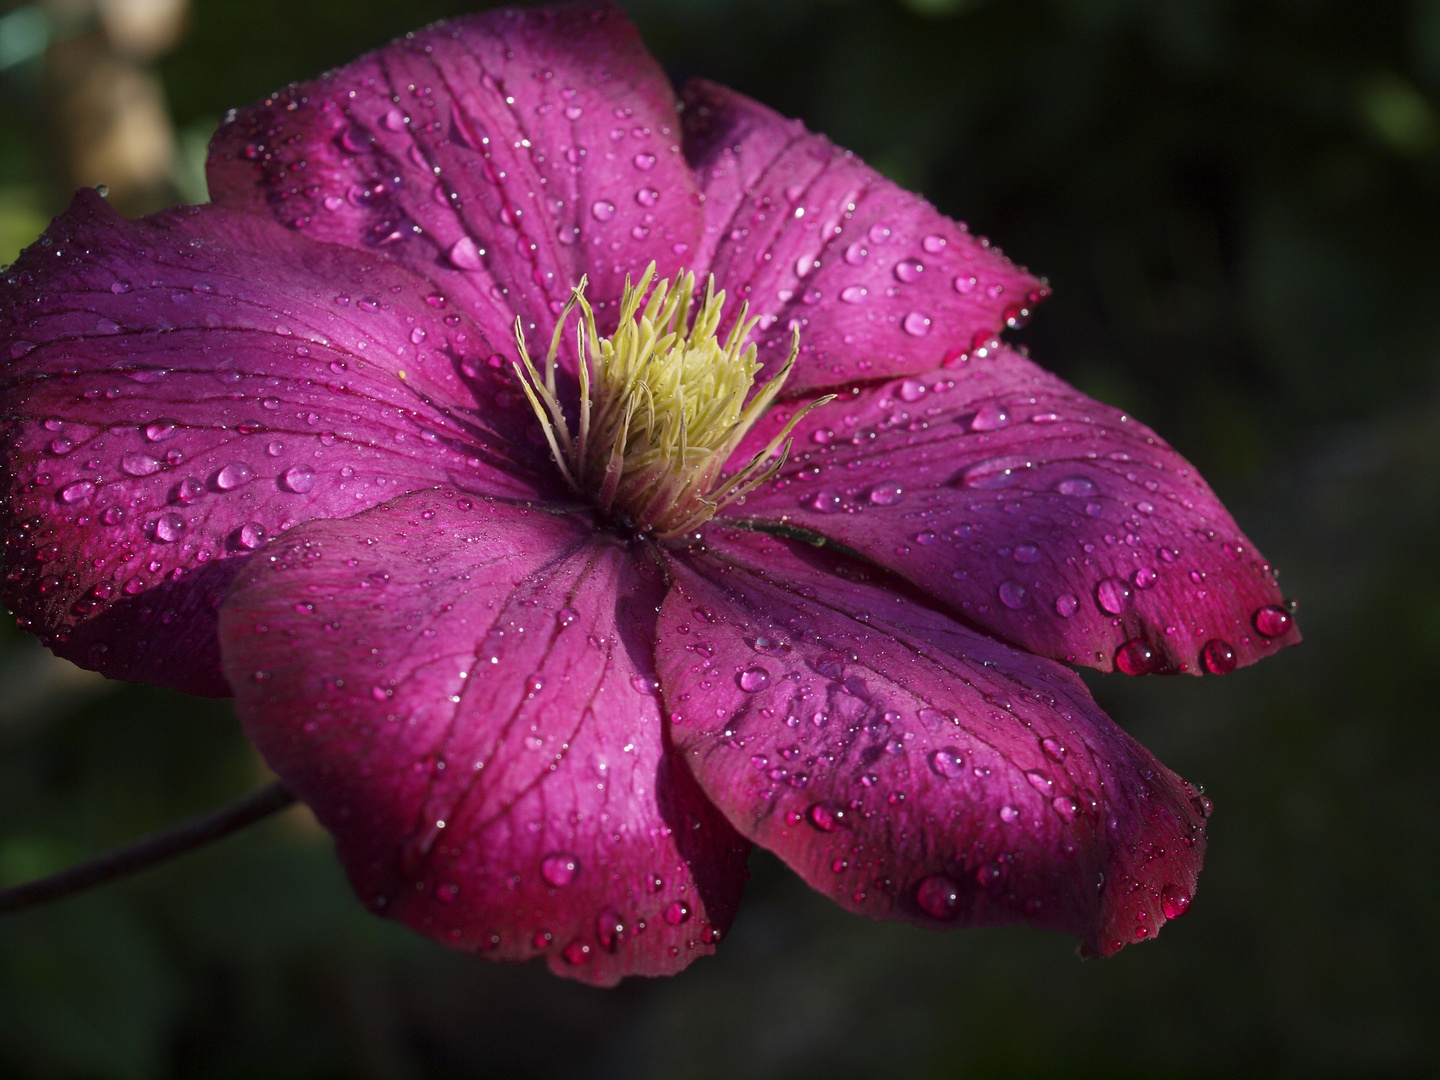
x,y
662,407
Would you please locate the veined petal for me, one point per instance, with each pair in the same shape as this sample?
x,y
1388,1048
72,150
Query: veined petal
x,y
502,155
878,281
462,691
1049,519
179,390
907,767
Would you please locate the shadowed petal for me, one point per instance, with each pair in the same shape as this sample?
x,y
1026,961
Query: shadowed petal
x,y
878,281
1053,521
181,389
463,693
907,767
501,155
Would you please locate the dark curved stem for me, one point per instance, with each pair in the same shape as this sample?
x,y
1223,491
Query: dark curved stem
x,y
149,851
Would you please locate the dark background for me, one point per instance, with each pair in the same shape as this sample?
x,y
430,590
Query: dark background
x,y
1236,204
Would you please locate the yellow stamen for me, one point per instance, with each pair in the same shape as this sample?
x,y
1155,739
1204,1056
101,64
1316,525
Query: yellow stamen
x,y
662,406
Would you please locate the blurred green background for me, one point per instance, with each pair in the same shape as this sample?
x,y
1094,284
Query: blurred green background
x,y
1238,205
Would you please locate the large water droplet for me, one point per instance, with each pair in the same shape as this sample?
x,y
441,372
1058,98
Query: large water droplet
x,y
609,929
1218,656
299,479
853,294
1064,806
80,489
160,430
1135,657
233,476
826,501
138,464
947,762
917,324
753,679
1027,553
677,913
465,254
990,417
250,536
995,473
601,210
1012,594
1174,901
1082,487
1066,604
1041,782
169,528
828,816
559,868
1272,621
909,270
938,897
887,494
1114,595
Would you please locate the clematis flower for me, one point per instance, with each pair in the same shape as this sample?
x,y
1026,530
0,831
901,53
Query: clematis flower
x,y
757,534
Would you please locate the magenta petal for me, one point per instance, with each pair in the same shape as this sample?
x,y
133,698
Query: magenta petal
x,y
1051,520
463,694
878,281
907,767
502,155
179,390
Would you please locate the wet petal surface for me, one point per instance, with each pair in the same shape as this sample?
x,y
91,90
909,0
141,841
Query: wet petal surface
x,y
907,767
1049,519
463,692
501,155
180,390
878,281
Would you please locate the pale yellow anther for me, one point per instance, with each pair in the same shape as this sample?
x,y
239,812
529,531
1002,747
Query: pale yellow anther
x,y
662,407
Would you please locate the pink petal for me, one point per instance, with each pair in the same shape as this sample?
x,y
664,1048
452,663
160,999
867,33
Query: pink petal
x,y
489,667
181,389
907,767
1050,520
502,155
878,281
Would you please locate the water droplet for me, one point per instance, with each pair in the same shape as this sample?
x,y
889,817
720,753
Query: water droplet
x,y
933,244
826,501
909,270
647,196
1114,595
1145,577
169,528
113,515
854,294
1082,487
856,253
677,913
830,664
1218,657
1066,604
601,210
1174,901
1135,657
771,646
1041,782
912,390
465,254
644,684
644,162
609,929
299,479
233,476
80,489
886,494
753,679
827,816
160,430
1009,814
965,283
1012,594
991,417
138,464
250,536
60,446
1272,621
559,868
566,616
1065,807
947,762
917,324
1027,553
995,473
938,897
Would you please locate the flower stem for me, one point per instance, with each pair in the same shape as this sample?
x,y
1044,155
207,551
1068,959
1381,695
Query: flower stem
x,y
145,853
